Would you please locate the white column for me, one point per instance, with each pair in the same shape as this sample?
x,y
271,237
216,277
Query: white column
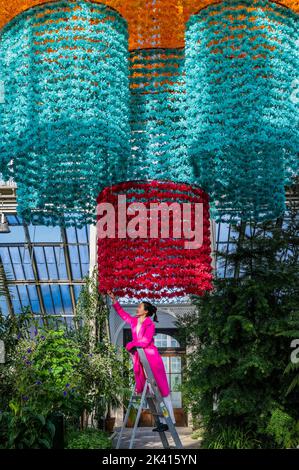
x,y
92,248
213,242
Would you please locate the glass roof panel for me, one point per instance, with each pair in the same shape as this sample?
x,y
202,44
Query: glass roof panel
x,y
24,296
34,299
7,265
5,255
77,290
41,263
12,219
59,253
16,235
41,257
71,235
66,299
27,263
75,262
82,235
16,263
47,298
15,299
84,256
56,295
222,231
220,267
249,230
51,262
44,234
4,305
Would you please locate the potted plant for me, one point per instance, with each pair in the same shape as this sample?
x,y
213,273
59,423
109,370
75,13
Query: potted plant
x,y
132,417
109,420
107,373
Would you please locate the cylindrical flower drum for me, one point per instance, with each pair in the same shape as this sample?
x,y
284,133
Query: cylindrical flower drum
x,y
154,240
241,64
65,119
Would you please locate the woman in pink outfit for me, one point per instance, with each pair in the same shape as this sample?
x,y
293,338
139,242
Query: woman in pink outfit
x,y
143,330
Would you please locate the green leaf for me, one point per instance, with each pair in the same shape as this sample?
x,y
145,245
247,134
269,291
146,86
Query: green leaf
x,y
50,426
41,418
45,443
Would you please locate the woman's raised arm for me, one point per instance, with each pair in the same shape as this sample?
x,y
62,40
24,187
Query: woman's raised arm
x,y
121,312
118,308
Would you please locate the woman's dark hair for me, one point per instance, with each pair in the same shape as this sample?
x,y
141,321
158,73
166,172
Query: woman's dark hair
x,y
151,310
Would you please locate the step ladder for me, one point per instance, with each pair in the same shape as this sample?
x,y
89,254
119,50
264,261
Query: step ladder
x,y
156,405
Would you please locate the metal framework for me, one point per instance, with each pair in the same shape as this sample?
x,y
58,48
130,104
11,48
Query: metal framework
x,y
43,268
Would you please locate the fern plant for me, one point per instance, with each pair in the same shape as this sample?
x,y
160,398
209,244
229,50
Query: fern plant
x,y
293,370
284,429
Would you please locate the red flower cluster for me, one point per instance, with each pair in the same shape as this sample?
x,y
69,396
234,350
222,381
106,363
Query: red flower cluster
x,y
155,267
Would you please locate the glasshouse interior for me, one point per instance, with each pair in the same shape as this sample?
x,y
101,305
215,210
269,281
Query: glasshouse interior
x,y
114,112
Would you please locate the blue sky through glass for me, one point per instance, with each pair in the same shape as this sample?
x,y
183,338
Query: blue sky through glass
x,y
34,260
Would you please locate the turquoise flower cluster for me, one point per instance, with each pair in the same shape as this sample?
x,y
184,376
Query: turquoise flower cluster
x,y
81,113
65,120
241,64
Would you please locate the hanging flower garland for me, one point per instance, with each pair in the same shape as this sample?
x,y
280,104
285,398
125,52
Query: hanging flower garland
x,y
65,121
66,111
241,61
138,265
192,7
158,116
151,23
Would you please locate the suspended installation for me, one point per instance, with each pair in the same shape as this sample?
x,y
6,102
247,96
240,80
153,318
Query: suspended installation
x,y
144,252
65,121
241,61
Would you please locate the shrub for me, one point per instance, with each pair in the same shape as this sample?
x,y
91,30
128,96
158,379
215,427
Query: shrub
x,y
88,439
46,376
25,429
230,438
55,369
284,429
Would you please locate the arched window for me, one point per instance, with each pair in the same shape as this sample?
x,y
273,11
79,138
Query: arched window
x,y
166,341
173,355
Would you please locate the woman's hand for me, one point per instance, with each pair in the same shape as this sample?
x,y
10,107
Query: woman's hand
x,y
130,347
112,296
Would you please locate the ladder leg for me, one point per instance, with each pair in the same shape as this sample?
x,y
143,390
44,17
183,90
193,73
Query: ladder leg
x,y
125,421
174,434
154,410
158,402
161,405
142,403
